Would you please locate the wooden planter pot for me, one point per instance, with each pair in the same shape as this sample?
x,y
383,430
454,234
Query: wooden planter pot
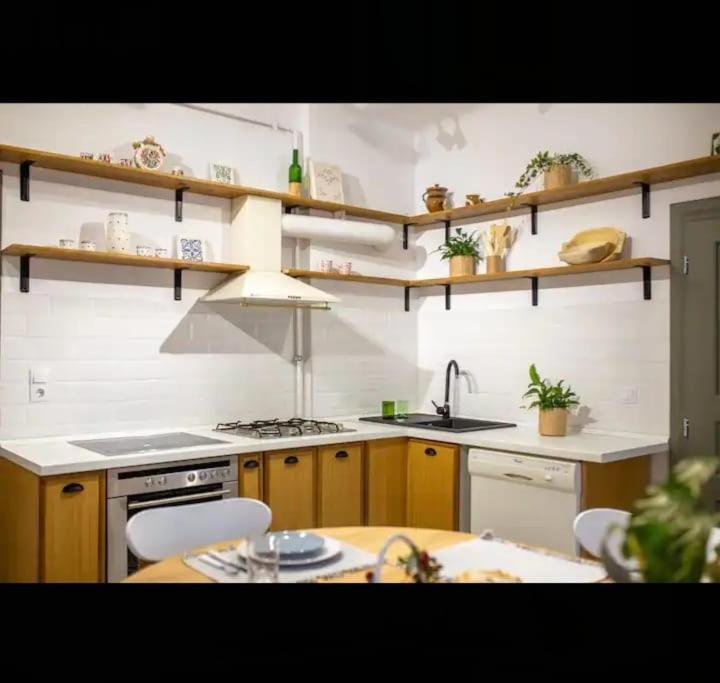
x,y
462,265
494,264
558,176
553,422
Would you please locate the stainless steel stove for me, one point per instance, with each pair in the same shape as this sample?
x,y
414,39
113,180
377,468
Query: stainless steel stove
x,y
276,429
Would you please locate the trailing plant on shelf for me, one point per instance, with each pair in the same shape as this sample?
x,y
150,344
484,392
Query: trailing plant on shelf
x,y
543,162
670,527
553,400
463,252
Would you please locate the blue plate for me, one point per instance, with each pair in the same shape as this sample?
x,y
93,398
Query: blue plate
x,y
292,544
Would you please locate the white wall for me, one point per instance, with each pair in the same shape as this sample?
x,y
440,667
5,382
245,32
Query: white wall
x,y
120,351
604,339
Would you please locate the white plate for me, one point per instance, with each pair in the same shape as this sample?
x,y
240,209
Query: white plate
x,y
332,549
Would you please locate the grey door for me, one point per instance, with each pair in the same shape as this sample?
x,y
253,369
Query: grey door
x,y
694,352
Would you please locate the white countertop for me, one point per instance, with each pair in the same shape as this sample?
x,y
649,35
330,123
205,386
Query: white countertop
x,y
54,455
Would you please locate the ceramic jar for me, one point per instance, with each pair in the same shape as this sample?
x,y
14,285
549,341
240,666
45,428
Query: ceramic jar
x,y
118,236
143,250
552,422
435,198
87,245
67,244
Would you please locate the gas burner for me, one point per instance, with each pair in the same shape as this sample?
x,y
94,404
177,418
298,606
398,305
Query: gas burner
x,y
275,429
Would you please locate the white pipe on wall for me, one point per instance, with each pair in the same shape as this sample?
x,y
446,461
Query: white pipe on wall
x,y
299,346
337,230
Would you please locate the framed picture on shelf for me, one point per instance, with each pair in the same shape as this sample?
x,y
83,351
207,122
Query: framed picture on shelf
x,y
222,174
715,148
190,248
325,182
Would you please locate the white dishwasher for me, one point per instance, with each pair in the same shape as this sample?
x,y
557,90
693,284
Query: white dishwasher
x,y
524,498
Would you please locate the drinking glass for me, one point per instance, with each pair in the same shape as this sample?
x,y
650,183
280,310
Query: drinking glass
x,y
388,409
401,410
263,559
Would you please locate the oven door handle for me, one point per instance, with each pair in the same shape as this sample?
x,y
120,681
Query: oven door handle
x,y
177,499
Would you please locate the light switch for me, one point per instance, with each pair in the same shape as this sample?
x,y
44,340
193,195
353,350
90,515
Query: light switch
x,y
39,387
628,395
39,376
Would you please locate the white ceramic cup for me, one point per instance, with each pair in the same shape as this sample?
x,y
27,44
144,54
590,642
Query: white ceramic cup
x,y
143,250
161,253
345,268
118,235
67,244
87,245
326,266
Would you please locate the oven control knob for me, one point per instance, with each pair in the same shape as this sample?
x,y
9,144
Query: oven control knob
x,y
213,474
148,482
161,481
203,476
226,472
191,476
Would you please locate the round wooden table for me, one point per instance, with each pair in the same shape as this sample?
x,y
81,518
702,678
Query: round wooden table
x,y
370,538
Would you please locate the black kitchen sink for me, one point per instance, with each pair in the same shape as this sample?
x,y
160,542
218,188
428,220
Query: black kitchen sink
x,y
452,424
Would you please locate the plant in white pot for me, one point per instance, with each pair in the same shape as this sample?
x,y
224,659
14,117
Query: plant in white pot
x,y
552,401
463,251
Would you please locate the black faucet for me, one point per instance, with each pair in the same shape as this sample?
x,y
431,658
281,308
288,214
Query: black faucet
x,y
445,409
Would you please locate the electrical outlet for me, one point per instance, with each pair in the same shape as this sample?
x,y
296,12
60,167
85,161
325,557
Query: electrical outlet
x,y
628,395
39,385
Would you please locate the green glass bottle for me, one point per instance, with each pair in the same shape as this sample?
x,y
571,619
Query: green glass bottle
x,y
295,175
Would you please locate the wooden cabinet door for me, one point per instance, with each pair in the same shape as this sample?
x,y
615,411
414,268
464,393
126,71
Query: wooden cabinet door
x,y
290,488
386,481
432,492
71,517
341,490
250,476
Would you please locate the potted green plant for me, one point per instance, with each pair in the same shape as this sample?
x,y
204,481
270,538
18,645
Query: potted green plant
x,y
552,400
669,530
557,170
463,251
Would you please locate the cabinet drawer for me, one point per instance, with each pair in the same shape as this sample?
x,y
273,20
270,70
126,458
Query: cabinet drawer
x,y
432,485
250,476
386,482
70,530
290,488
341,490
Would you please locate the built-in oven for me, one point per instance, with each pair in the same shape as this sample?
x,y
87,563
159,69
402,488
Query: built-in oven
x,y
133,489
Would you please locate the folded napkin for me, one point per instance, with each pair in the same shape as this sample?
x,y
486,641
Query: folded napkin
x,y
531,566
349,559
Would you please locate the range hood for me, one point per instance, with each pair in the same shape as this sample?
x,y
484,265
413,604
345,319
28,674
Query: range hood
x,y
256,239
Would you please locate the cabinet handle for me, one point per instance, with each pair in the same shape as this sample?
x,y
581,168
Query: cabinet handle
x,y
290,460
341,454
73,488
430,451
251,464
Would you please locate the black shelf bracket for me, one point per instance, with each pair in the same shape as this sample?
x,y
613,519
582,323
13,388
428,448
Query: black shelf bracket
x,y
645,187
647,283
533,218
447,231
405,235
534,285
25,273
289,208
447,297
179,203
407,298
178,283
25,180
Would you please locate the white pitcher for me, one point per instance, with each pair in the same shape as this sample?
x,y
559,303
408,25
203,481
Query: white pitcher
x,y
118,236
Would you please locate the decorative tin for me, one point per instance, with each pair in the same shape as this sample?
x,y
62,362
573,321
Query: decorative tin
x,y
148,154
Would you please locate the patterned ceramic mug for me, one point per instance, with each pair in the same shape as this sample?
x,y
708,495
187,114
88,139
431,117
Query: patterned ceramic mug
x,y
143,250
126,162
87,155
87,245
177,170
345,268
67,244
161,253
326,266
107,158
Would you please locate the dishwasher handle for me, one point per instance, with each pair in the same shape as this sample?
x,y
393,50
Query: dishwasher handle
x,y
514,475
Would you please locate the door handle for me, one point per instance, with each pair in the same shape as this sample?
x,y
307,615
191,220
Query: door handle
x,y
73,488
291,460
517,476
430,451
341,454
251,464
159,502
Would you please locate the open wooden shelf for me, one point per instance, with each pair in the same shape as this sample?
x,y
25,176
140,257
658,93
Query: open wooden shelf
x,y
113,171
28,251
589,188
367,279
59,254
623,264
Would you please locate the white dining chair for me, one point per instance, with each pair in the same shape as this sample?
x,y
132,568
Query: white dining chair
x,y
591,527
153,535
